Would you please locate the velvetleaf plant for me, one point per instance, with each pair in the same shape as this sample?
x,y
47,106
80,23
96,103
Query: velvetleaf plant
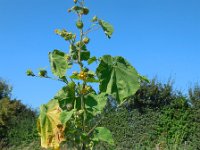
x,y
67,117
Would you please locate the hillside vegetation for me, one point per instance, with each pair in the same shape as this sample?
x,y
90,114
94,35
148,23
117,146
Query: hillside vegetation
x,y
17,121
157,117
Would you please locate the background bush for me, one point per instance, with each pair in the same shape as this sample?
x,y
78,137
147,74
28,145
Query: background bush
x,y
17,121
156,117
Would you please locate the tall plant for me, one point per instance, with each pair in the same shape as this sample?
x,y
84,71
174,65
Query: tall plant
x,y
67,117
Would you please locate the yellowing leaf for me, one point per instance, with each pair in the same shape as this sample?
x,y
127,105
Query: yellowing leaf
x,y
50,128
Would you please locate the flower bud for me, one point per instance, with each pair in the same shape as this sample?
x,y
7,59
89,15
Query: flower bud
x,y
86,40
42,73
85,11
79,24
29,73
94,19
69,106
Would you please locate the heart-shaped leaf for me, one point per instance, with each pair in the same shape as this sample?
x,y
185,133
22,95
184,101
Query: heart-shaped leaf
x,y
59,63
117,77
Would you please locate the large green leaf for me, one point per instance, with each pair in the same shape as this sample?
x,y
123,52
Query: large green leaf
x,y
107,28
50,128
59,63
117,77
103,134
95,103
66,95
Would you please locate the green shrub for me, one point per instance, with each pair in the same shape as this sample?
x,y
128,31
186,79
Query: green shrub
x,y
17,121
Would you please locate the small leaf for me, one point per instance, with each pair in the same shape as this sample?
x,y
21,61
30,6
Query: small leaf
x,y
58,62
66,95
85,55
91,60
65,116
103,134
107,28
96,103
144,78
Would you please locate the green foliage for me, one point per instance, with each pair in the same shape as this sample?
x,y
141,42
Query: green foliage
x,y
107,28
131,129
153,95
103,134
174,126
171,126
194,94
66,95
65,116
95,103
68,115
59,63
17,121
117,77
5,89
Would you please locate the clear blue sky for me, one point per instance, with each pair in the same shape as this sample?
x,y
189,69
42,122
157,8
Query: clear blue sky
x,y
159,37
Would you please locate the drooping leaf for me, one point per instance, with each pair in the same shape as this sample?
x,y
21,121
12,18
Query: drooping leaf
x,y
95,103
59,64
65,116
91,60
117,77
144,79
107,28
66,95
50,128
103,134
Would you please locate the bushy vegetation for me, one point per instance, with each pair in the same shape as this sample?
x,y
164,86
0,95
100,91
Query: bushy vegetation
x,y
157,117
17,121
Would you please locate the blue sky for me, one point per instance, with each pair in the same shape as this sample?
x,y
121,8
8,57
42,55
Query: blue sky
x,y
159,37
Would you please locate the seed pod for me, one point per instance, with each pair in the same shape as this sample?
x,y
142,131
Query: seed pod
x,y
79,24
86,40
85,11
42,73
29,73
80,112
80,44
69,106
75,1
94,19
69,10
75,8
